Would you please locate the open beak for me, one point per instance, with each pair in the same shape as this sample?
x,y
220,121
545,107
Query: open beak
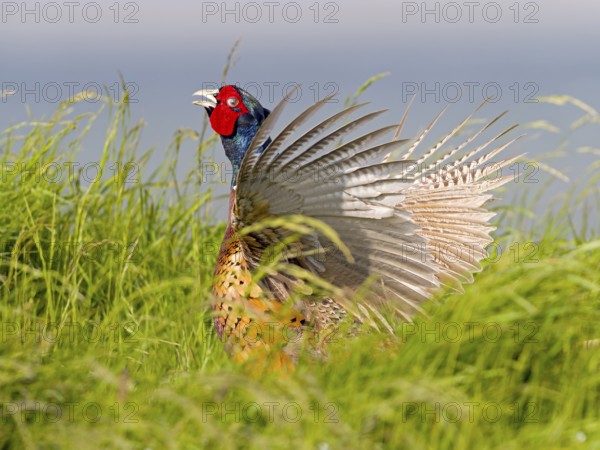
x,y
209,101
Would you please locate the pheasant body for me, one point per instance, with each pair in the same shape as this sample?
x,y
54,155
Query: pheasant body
x,y
247,317
407,225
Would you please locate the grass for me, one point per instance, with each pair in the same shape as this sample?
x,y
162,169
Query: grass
x,y
107,340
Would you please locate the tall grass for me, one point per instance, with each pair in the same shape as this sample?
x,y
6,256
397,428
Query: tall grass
x,y
107,341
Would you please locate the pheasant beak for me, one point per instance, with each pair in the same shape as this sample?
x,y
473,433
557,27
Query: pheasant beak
x,y
209,101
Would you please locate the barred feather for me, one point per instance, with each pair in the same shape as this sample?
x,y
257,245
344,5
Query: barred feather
x,y
411,224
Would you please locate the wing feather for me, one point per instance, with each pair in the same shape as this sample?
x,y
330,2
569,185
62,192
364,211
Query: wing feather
x,y
411,224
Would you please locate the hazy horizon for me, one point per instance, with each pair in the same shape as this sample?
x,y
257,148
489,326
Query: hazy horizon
x,y
166,52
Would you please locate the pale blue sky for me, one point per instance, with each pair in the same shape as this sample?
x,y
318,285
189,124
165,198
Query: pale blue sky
x,y
174,48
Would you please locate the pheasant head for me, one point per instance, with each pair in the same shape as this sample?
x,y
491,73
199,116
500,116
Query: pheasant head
x,y
236,116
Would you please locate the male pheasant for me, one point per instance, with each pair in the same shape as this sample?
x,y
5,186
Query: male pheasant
x,y
408,224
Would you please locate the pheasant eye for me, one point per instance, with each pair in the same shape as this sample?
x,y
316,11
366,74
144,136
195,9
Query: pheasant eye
x,y
232,102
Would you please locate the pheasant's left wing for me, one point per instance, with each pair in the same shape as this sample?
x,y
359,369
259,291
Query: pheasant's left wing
x,y
410,224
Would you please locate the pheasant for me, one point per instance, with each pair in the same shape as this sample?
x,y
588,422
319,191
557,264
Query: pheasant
x,y
399,227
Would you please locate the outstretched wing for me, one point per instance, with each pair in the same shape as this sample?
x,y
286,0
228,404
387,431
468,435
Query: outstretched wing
x,y
411,223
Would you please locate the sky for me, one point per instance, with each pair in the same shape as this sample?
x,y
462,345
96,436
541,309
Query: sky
x,y
450,54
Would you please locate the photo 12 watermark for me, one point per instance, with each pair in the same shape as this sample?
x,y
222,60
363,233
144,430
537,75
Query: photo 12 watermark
x,y
291,173
470,12
469,332
271,12
468,412
69,12
470,91
278,333
101,251
70,412
68,332
55,172
54,92
291,91
445,253
269,412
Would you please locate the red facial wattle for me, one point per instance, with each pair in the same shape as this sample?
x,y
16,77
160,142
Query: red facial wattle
x,y
223,117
